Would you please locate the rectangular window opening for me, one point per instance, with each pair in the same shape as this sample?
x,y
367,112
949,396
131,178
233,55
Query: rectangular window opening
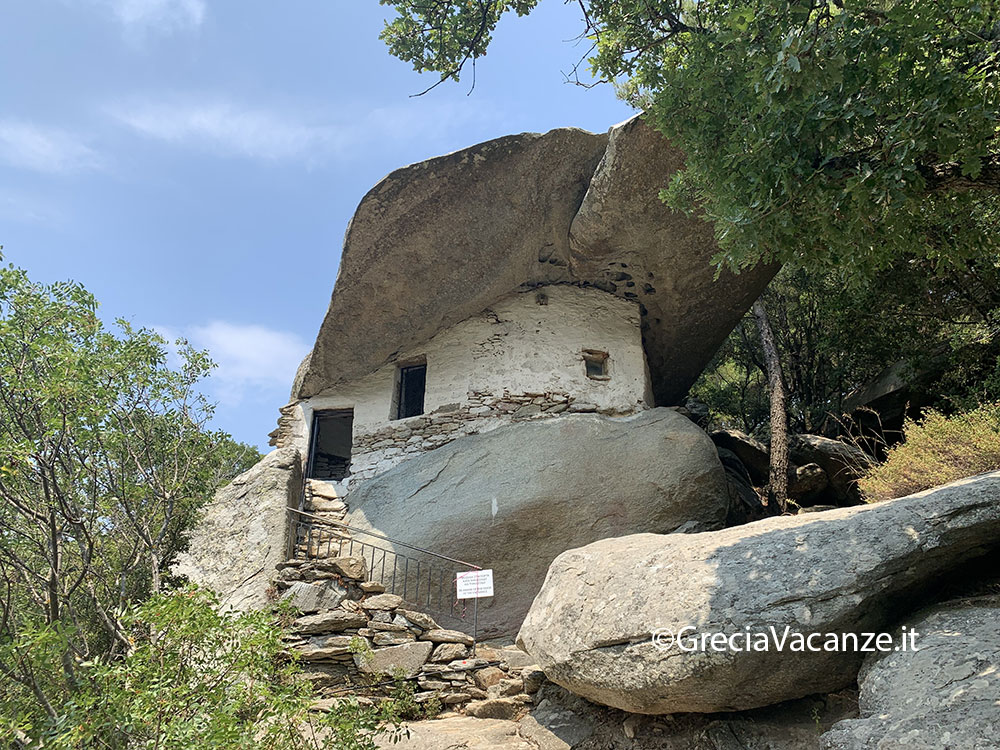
x,y
330,446
596,364
410,389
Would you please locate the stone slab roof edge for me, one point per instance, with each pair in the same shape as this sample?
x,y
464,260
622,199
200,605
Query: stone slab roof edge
x,y
438,241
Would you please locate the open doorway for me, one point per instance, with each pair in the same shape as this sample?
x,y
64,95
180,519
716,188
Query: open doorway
x,y
330,444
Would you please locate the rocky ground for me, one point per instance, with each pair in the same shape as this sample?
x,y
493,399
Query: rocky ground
x,y
558,720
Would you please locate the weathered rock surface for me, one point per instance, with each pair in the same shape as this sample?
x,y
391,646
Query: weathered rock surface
x,y
561,721
244,534
496,708
447,636
382,601
752,453
335,621
438,241
845,570
462,732
626,240
944,695
805,483
843,465
404,660
313,597
519,495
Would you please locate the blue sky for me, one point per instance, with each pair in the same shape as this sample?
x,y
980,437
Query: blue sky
x,y
194,163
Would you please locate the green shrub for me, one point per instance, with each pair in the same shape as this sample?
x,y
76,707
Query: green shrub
x,y
938,450
195,677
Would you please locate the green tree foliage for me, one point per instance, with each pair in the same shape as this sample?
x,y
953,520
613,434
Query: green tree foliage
x,y
105,458
837,134
834,339
194,676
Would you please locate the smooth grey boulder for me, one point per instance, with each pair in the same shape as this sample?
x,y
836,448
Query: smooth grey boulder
x,y
514,498
844,571
945,694
625,240
244,532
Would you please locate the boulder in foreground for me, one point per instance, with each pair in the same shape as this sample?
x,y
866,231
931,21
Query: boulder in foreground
x,y
946,694
844,571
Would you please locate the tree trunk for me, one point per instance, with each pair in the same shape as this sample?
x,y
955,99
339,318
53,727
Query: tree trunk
x,y
55,568
154,566
778,470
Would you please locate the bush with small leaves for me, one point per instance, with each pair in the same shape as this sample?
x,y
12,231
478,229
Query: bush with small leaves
x,y
196,677
938,449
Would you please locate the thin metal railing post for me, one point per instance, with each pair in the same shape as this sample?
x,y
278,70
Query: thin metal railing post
x,y
475,627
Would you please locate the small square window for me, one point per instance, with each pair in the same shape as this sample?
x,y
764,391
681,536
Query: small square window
x,y
596,363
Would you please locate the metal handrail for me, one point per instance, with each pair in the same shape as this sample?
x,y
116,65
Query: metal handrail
x,y
426,584
342,525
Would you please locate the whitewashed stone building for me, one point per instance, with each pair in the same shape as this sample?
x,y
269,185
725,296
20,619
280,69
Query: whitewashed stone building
x,y
534,353
531,280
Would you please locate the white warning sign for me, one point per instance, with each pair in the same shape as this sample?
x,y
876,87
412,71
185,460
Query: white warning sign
x,y
474,584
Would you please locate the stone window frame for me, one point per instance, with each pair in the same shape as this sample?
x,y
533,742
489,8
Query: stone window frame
x,y
596,358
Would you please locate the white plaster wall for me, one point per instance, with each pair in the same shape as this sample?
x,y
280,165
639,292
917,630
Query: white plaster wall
x,y
518,346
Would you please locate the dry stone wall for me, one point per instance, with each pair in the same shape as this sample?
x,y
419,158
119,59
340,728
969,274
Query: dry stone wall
x,y
381,449
352,638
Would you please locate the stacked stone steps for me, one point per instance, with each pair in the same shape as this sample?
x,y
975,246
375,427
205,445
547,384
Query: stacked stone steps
x,y
354,639
323,499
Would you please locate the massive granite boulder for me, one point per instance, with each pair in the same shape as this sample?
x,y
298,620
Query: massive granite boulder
x,y
245,532
945,694
625,240
844,571
517,496
439,241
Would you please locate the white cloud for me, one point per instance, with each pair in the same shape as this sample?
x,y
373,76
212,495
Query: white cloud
x,y
28,146
249,358
160,12
226,129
